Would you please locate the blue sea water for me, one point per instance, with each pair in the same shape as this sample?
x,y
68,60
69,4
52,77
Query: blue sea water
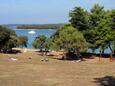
x,y
31,37
107,51
46,32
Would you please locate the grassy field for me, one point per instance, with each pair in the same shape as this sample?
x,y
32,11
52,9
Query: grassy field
x,y
34,72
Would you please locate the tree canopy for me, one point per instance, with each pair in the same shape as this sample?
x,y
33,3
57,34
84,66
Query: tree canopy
x,y
79,18
39,42
97,25
68,37
7,38
22,41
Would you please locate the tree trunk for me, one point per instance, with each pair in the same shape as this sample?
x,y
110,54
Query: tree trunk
x,y
78,54
114,49
111,54
63,56
41,50
101,51
46,51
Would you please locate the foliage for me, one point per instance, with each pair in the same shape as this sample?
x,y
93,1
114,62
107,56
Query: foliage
x,y
111,23
22,41
97,25
79,18
113,19
48,44
113,28
39,42
7,38
68,37
95,34
40,26
12,42
96,15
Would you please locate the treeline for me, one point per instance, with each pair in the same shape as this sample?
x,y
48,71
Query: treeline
x,y
94,29
42,26
97,26
9,40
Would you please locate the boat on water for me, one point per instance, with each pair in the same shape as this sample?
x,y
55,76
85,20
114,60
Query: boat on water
x,y
32,32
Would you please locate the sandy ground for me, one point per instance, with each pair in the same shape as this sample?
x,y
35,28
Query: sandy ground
x,y
29,70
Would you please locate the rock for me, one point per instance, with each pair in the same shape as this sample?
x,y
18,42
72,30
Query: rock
x,y
13,59
45,59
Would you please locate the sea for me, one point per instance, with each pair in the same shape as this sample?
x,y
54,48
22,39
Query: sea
x,y
33,33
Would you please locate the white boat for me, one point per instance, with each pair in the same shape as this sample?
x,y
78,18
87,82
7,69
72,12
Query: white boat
x,y
32,32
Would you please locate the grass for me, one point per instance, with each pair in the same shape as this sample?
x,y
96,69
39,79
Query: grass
x,y
34,72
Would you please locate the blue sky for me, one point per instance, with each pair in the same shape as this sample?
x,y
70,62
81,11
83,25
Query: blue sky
x,y
44,11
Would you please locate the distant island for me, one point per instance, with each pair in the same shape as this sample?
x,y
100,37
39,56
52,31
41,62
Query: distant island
x,y
40,26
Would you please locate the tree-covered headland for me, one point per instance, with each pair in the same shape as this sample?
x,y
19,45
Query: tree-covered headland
x,y
40,26
94,29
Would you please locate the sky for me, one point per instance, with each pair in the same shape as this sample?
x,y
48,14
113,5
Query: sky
x,y
44,11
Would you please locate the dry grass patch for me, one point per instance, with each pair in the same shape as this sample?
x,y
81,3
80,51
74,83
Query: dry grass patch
x,y
34,72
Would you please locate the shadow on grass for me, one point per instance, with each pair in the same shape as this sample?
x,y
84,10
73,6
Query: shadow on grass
x,y
74,57
15,52
105,81
6,51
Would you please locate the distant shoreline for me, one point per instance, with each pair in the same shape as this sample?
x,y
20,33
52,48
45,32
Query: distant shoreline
x,y
35,29
28,49
44,26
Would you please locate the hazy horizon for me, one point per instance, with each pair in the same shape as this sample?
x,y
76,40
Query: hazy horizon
x,y
44,11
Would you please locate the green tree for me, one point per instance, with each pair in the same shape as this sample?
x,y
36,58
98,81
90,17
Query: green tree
x,y
97,26
113,19
111,23
113,27
96,15
7,38
48,45
93,33
12,42
79,19
39,42
22,41
105,33
68,37
87,23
